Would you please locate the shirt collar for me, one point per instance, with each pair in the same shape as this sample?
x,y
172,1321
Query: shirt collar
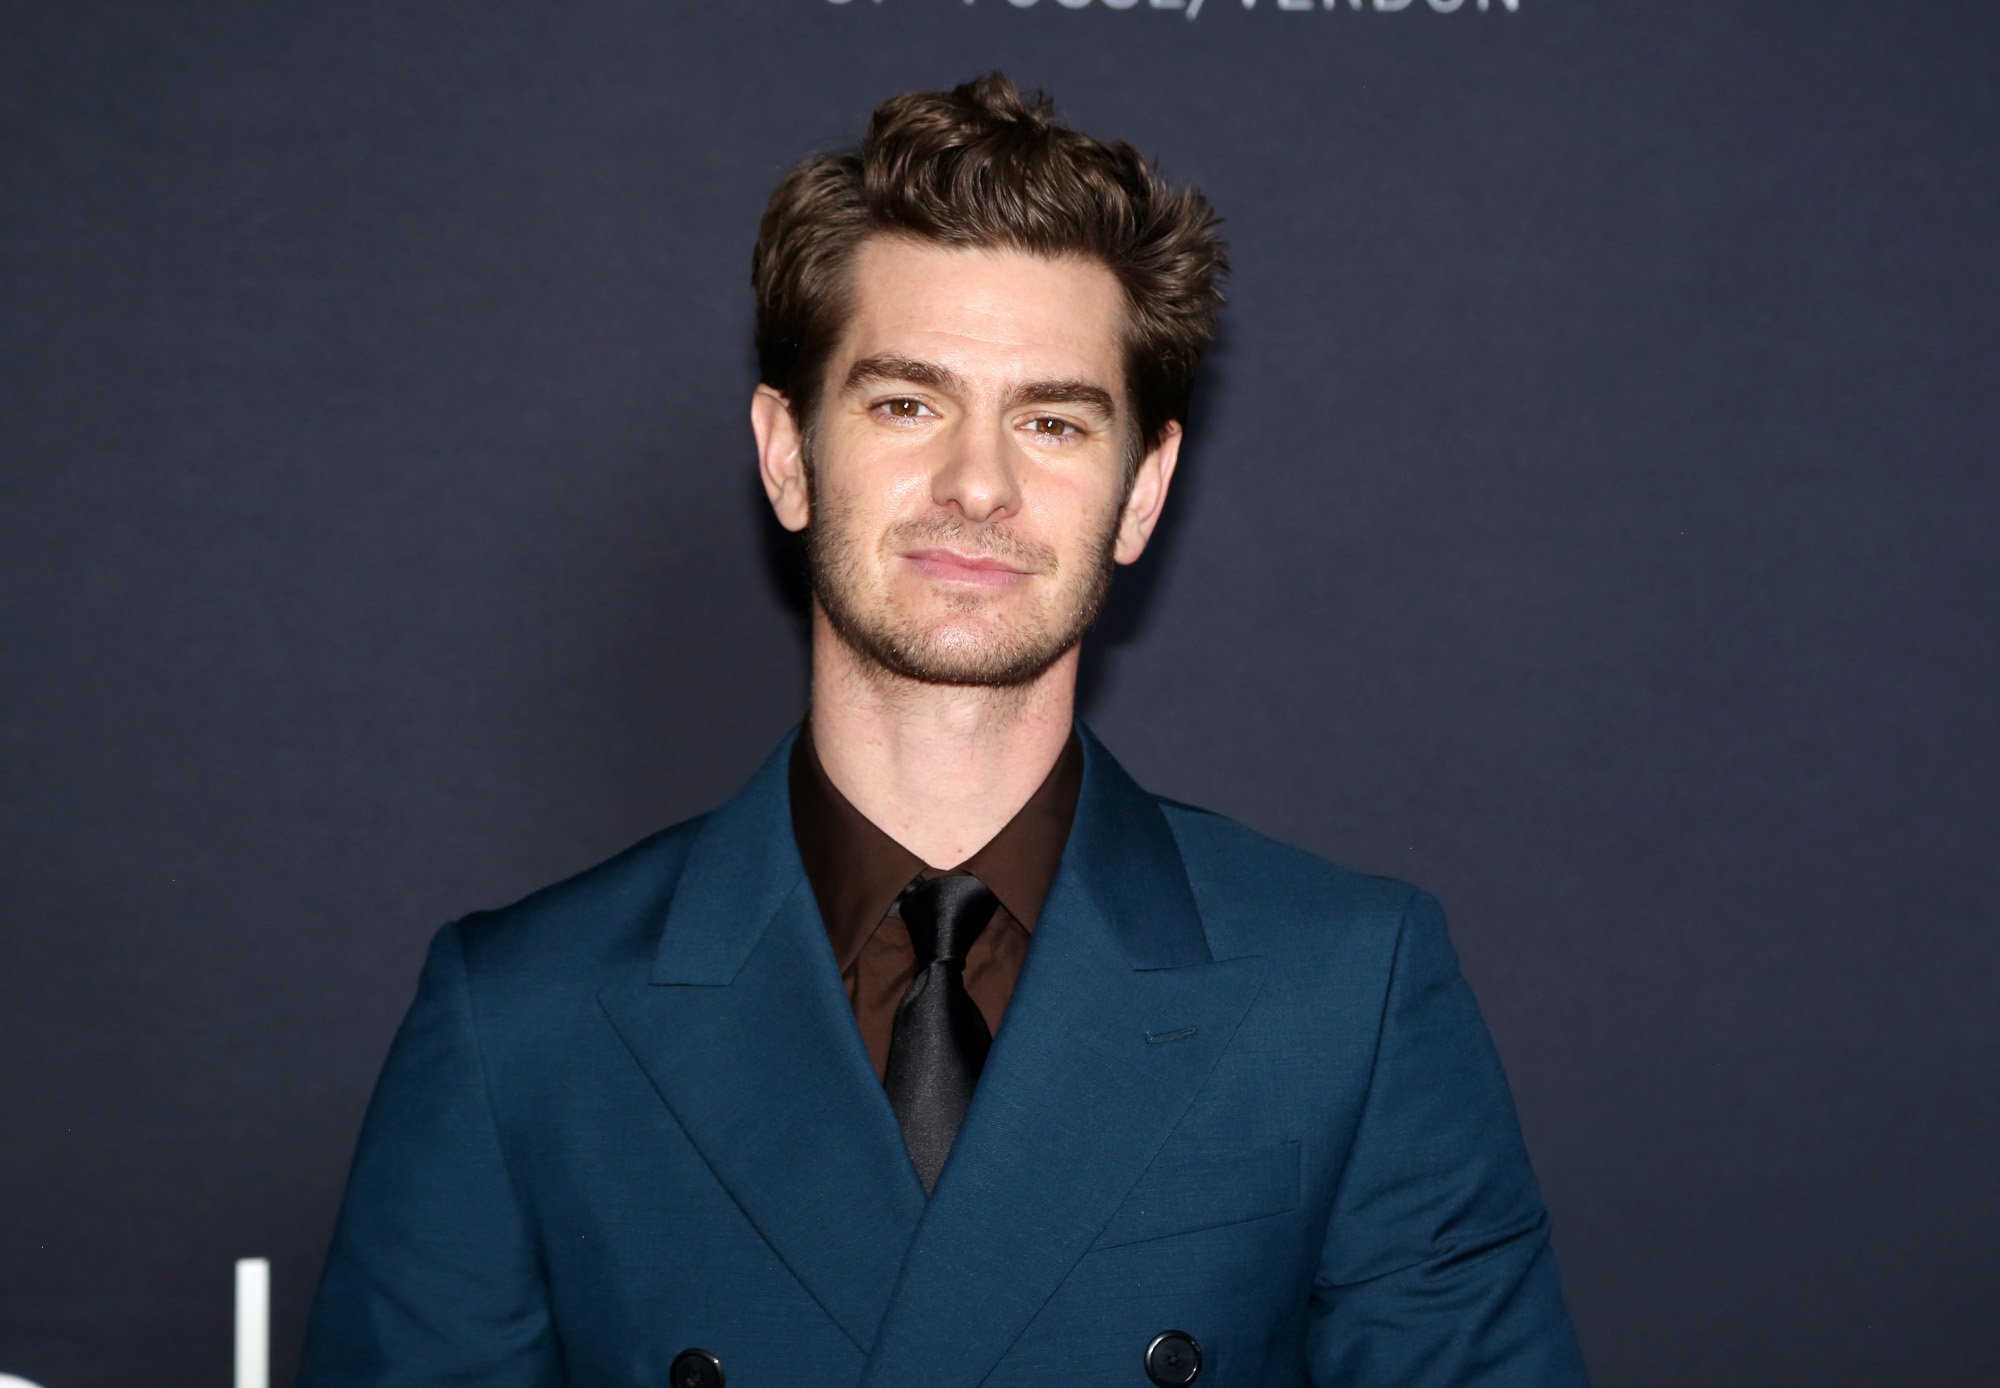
x,y
857,870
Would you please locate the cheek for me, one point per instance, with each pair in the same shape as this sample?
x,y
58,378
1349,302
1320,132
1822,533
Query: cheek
x,y
860,522
1075,509
904,488
886,486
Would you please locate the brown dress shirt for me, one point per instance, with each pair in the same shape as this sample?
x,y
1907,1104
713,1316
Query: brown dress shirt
x,y
857,872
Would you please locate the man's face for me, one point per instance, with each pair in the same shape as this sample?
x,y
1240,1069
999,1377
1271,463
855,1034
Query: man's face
x,y
966,478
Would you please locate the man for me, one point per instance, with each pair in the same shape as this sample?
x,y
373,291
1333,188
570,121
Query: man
x,y
943,1054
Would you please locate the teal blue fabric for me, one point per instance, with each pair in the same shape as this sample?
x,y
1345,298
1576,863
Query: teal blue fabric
x,y
1239,1092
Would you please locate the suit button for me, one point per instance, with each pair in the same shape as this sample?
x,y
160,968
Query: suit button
x,y
1173,1359
695,1368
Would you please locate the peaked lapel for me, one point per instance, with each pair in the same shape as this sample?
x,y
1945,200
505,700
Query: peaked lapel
x,y
747,1034
1119,1015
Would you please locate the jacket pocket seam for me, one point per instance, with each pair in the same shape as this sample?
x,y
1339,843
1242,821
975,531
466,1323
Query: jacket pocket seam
x,y
1286,1152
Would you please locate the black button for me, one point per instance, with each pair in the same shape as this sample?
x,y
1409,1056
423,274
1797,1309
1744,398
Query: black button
x,y
1173,1359
695,1368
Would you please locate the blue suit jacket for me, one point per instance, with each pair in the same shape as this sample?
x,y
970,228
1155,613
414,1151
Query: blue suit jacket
x,y
1238,1092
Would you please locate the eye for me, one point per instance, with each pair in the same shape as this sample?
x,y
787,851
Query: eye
x,y
1052,426
903,407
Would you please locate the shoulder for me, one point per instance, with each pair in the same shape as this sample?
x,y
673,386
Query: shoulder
x,y
606,915
1257,895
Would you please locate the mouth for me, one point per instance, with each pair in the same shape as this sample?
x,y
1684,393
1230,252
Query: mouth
x,y
979,570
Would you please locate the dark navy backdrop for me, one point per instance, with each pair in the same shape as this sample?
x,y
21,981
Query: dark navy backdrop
x,y
1589,516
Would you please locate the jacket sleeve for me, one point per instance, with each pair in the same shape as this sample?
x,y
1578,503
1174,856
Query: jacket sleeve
x,y
1436,1270
433,1277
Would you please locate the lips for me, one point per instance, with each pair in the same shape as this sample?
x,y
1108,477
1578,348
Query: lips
x,y
980,570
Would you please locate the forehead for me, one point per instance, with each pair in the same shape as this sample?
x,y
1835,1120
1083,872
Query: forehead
x,y
984,312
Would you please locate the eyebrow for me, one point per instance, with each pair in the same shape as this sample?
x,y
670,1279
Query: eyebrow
x,y
889,369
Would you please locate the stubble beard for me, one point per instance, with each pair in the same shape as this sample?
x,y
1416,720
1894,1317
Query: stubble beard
x,y
894,640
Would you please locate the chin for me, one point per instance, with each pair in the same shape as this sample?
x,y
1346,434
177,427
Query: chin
x,y
957,655
998,639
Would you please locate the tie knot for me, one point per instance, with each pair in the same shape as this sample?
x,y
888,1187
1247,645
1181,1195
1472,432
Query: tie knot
x,y
945,915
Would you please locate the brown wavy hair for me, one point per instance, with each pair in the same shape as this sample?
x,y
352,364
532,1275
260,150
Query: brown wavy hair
x,y
984,166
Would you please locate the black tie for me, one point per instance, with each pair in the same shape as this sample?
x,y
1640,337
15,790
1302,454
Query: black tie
x,y
939,1041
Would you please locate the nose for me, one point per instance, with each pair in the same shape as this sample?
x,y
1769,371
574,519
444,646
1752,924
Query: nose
x,y
976,473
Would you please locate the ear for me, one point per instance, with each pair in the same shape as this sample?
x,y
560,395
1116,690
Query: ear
x,y
1149,495
780,460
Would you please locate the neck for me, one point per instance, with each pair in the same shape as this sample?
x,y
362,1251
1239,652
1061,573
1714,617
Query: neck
x,y
938,768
